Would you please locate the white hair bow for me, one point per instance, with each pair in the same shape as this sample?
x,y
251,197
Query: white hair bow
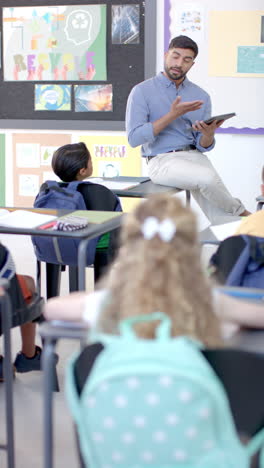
x,y
152,226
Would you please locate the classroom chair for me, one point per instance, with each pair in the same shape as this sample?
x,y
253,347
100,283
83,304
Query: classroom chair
x,y
260,202
12,318
97,198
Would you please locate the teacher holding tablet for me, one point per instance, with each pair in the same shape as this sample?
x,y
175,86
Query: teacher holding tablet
x,y
166,115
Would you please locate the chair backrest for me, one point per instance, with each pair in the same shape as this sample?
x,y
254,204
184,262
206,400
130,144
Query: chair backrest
x,y
70,196
154,403
260,202
239,261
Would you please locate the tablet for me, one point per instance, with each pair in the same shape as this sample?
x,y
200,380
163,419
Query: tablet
x,y
220,117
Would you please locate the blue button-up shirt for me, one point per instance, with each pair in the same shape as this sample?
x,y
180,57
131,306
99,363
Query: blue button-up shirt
x,y
151,100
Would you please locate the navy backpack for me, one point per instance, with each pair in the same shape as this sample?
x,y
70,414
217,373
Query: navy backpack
x,y
239,261
58,250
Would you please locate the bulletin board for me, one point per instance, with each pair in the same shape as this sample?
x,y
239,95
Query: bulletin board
x,y
70,64
230,63
32,153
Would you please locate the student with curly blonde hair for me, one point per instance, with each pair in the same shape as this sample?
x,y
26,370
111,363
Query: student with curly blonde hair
x,y
157,269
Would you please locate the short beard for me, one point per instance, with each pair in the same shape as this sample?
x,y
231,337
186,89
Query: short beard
x,y
172,76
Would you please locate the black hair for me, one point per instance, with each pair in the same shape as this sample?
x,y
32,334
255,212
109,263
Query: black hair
x,y
69,159
184,42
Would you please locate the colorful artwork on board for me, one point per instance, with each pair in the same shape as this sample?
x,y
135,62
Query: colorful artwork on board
x,y
93,98
46,153
125,24
110,151
52,97
51,43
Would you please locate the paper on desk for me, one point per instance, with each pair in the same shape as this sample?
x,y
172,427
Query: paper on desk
x,y
94,216
113,184
24,219
222,231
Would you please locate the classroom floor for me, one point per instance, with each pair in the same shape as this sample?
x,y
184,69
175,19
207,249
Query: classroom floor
x,y
28,393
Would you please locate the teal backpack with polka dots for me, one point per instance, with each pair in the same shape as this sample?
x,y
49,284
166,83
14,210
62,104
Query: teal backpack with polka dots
x,y
155,403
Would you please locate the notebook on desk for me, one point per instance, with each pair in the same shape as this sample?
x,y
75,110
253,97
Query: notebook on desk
x,y
95,216
23,218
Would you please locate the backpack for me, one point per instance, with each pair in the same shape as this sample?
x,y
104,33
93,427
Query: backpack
x,y
239,261
59,250
155,403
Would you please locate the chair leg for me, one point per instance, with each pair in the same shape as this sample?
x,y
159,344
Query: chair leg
x,y
73,279
53,279
48,377
8,376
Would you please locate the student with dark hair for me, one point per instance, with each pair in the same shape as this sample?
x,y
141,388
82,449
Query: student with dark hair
x,y
165,115
73,162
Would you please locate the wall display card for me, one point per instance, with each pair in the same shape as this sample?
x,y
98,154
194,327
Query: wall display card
x,y
27,155
50,43
110,151
109,169
125,24
187,18
52,97
99,146
250,59
93,98
28,185
46,153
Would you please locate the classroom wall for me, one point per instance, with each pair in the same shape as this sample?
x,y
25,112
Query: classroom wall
x,y
237,157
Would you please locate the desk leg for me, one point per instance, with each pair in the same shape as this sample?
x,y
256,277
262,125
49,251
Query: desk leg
x,y
8,375
82,263
48,385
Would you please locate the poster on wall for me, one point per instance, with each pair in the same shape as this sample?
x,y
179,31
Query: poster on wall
x,y
187,18
51,43
125,24
52,97
93,98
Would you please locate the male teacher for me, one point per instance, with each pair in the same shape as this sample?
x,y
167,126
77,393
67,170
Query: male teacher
x,y
165,115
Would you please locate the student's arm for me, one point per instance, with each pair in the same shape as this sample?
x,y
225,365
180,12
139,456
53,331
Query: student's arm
x,y
77,306
238,311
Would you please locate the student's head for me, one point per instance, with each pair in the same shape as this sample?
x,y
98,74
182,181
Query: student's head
x,y
158,269
72,162
180,57
262,185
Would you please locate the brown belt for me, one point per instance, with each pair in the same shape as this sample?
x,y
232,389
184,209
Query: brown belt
x,y
184,148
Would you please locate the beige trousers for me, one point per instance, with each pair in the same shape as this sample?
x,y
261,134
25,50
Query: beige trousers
x,y
192,170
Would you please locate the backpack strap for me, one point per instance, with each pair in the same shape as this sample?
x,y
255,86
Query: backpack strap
x,y
163,330
255,445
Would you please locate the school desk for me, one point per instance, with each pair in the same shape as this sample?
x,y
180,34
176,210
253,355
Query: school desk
x,y
141,187
94,229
